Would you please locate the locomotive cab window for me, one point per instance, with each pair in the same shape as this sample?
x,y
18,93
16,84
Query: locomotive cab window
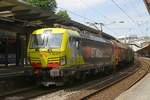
x,y
46,40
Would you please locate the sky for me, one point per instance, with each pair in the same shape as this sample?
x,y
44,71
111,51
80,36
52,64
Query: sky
x,y
120,18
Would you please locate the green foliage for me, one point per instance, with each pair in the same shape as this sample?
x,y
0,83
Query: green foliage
x,y
49,5
64,14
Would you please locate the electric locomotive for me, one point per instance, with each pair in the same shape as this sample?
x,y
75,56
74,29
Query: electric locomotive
x,y
58,54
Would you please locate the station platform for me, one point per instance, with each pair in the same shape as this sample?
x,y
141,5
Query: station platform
x,y
15,71
15,77
140,91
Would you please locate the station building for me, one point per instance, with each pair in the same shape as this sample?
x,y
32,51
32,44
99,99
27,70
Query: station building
x,y
135,42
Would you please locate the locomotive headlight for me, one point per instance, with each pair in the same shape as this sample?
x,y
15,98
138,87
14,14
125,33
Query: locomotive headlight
x,y
63,61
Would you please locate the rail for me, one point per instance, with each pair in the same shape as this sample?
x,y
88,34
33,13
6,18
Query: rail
x,y
111,82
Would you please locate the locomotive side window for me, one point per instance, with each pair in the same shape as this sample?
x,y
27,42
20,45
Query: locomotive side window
x,y
77,44
74,42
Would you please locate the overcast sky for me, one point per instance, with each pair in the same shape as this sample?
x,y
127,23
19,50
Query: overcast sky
x,y
134,15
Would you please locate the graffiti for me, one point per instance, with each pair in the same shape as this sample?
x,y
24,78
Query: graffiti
x,y
89,52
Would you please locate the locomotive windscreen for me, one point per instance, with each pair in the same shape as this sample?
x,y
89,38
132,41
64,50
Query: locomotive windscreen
x,y
46,40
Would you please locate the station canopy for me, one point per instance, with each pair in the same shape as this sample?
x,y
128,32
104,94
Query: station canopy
x,y
145,51
147,3
16,16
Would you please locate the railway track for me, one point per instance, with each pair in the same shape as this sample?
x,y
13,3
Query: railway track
x,y
91,88
146,72
111,82
28,93
88,88
4,95
32,92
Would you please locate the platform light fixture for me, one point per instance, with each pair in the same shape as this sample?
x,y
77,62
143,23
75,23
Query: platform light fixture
x,y
6,14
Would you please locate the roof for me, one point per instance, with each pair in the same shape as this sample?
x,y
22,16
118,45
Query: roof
x,y
147,48
21,16
147,3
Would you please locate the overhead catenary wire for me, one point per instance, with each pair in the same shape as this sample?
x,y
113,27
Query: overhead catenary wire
x,y
89,19
82,17
76,14
134,7
131,5
108,18
110,29
123,11
102,15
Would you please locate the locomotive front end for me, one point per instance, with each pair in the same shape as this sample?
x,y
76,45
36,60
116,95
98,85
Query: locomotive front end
x,y
45,49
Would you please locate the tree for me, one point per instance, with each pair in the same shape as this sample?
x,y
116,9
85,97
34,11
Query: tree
x,y
64,14
49,5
